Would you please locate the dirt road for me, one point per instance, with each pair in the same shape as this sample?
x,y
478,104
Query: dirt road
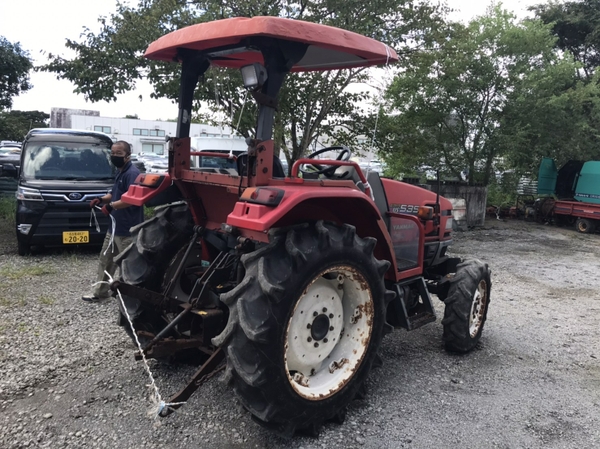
x,y
68,378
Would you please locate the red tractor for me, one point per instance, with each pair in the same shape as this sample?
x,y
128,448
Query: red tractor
x,y
294,280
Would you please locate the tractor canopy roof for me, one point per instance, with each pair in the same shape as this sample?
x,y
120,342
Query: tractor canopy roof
x,y
237,42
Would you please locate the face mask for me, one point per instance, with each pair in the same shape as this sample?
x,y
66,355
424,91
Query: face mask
x,y
117,161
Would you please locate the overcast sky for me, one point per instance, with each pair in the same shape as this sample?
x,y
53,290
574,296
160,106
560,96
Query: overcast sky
x,y
44,25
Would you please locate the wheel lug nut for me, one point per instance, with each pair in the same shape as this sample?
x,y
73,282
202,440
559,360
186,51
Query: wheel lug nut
x,y
324,309
330,328
325,340
309,339
315,313
331,315
316,345
308,326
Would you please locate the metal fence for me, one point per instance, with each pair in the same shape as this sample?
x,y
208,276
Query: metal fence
x,y
475,199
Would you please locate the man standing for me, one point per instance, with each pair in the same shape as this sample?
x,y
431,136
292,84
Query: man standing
x,y
125,215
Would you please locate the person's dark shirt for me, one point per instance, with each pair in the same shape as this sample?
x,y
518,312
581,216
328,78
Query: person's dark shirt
x,y
132,215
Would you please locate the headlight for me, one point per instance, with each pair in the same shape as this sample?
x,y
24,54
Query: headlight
x,y
449,223
27,194
254,75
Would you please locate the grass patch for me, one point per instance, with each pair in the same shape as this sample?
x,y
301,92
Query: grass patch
x,y
8,211
8,208
148,212
16,274
21,327
46,300
18,300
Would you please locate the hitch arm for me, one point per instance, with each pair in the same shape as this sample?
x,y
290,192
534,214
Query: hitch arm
x,y
206,371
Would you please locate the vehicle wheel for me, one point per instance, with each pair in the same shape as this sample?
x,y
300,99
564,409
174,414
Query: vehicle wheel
x,y
146,261
466,306
305,325
23,248
585,225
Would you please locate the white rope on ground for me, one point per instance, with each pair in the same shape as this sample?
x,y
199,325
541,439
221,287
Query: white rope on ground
x,y
158,404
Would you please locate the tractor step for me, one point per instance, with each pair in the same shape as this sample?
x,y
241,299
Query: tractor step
x,y
421,319
417,316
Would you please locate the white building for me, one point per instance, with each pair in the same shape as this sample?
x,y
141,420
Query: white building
x,y
146,136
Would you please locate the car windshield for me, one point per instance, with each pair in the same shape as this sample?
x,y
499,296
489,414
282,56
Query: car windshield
x,y
72,160
216,162
8,151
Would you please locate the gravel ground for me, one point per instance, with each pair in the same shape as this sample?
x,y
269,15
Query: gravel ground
x,y
68,377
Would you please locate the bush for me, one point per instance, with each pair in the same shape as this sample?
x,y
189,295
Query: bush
x,y
502,191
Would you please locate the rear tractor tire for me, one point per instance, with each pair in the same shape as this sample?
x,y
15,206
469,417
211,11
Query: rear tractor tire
x,y
585,225
467,305
305,325
146,261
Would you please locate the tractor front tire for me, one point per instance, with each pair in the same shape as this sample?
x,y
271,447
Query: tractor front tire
x,y
585,225
467,305
305,325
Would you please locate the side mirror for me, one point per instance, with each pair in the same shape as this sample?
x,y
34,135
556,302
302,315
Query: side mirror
x,y
9,171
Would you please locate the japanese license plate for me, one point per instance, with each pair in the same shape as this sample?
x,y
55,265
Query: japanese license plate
x,y
76,237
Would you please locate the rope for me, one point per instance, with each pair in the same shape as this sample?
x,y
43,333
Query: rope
x,y
111,243
237,127
158,404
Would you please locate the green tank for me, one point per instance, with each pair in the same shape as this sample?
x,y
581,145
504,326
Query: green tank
x,y
547,177
588,183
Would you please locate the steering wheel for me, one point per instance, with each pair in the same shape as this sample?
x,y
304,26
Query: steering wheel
x,y
327,170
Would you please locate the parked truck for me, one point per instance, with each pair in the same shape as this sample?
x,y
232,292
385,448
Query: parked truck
x,y
575,193
291,279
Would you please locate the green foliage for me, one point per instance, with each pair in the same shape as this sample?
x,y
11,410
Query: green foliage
x,y
15,65
148,212
450,107
553,115
577,26
503,191
14,125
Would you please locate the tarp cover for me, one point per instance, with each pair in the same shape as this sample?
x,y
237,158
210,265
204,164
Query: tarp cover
x,y
329,47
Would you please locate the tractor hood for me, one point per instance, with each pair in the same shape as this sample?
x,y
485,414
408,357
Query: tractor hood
x,y
231,43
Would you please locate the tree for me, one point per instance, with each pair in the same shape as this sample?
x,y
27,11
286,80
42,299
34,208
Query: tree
x,y
14,125
577,26
555,115
449,106
15,65
312,105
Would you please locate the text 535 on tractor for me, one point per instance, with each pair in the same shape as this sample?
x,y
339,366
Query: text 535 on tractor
x,y
294,280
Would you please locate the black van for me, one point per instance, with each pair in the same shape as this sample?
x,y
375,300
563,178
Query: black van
x,y
61,171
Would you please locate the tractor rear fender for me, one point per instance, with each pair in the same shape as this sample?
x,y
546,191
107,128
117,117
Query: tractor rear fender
x,y
301,204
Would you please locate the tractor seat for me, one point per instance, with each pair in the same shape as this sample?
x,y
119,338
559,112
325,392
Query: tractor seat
x,y
349,172
379,196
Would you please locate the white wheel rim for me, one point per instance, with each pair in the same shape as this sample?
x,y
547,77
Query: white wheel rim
x,y
478,308
328,333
